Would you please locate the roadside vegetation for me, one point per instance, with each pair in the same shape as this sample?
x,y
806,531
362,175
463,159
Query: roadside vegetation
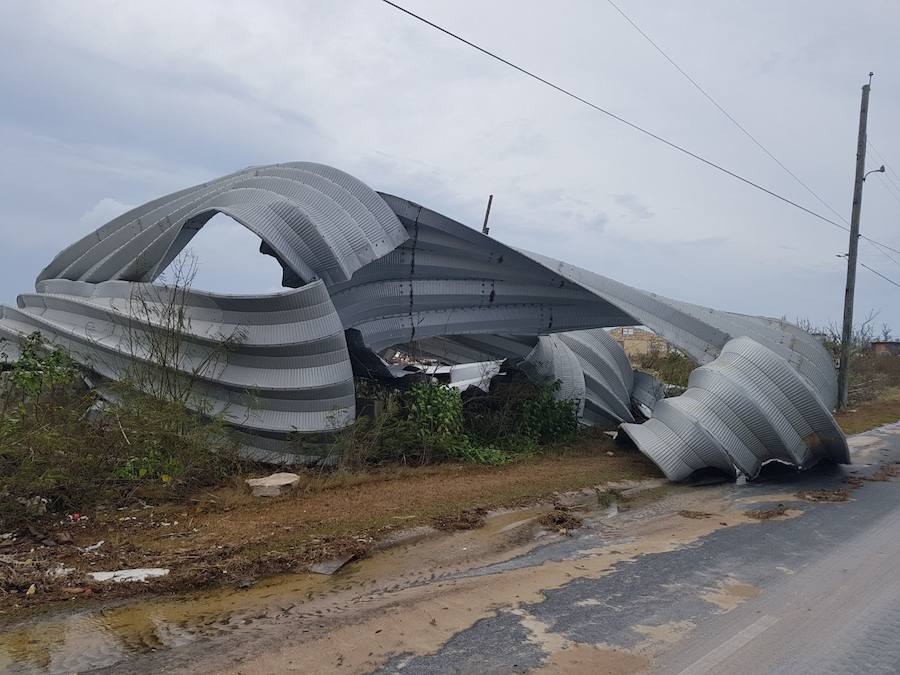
x,y
874,386
63,450
140,481
134,478
431,422
103,475
671,366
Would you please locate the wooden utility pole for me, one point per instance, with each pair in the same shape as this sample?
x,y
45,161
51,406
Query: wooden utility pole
x,y
487,214
847,333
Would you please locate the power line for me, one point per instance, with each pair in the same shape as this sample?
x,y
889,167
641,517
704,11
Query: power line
x,y
614,116
877,273
879,244
890,183
887,255
626,122
884,161
892,191
710,98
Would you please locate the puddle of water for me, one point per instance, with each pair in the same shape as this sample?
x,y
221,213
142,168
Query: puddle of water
x,y
66,643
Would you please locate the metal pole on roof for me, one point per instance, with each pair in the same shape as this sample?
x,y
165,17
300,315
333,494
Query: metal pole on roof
x,y
487,214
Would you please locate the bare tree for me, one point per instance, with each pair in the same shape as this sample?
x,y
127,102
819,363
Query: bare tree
x,y
165,361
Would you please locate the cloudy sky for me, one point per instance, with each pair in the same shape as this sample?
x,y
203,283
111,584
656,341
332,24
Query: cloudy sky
x,y
107,105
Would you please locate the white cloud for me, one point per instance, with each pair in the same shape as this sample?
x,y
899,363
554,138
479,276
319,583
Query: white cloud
x,y
104,211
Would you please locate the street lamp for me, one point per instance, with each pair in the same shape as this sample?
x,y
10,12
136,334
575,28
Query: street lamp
x,y
878,170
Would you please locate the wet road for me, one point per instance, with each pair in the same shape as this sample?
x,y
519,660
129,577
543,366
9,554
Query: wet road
x,y
686,584
818,593
839,614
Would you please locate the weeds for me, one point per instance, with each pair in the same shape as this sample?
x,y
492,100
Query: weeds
x,y
672,367
560,519
59,453
63,449
431,422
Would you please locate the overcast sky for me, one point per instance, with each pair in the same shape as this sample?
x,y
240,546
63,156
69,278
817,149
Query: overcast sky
x,y
107,105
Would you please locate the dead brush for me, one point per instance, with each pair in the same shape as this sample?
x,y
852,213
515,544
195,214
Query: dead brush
x,y
767,514
694,515
839,495
470,519
560,519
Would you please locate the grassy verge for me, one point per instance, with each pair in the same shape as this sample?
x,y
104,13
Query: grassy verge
x,y
225,536
871,413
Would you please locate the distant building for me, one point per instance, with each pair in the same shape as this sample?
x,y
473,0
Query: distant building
x,y
637,341
886,348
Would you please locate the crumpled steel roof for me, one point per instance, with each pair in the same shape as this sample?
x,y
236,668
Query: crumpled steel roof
x,y
394,272
288,370
321,223
743,409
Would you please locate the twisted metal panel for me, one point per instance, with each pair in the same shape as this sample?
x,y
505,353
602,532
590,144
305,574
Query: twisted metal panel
x,y
646,391
743,409
285,368
550,362
392,272
319,222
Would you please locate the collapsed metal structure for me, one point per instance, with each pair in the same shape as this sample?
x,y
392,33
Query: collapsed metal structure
x,y
369,271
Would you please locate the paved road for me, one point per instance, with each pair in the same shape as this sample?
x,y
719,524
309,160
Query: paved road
x,y
826,587
840,614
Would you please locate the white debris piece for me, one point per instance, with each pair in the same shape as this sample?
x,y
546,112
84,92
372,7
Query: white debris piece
x,y
130,575
274,485
59,571
329,567
92,547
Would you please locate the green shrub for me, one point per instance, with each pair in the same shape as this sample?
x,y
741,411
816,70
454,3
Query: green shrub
x,y
545,419
431,422
62,452
672,367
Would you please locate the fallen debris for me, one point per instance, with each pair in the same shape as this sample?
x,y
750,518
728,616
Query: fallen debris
x,y
273,486
92,547
329,567
839,495
767,514
141,574
59,571
560,520
854,481
885,473
464,520
696,515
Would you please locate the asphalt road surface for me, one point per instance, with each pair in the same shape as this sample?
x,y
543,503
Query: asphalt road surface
x,y
818,593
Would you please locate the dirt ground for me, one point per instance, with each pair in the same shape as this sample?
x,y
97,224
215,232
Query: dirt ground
x,y
225,536
871,414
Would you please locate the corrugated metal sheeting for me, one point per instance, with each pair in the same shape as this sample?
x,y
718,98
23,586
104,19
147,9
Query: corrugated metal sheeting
x,y
739,411
397,273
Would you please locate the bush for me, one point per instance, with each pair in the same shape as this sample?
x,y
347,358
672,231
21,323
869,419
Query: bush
x,y
61,451
672,367
432,422
544,419
871,376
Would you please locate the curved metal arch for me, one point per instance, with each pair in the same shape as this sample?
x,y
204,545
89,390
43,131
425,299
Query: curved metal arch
x,y
337,229
391,271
